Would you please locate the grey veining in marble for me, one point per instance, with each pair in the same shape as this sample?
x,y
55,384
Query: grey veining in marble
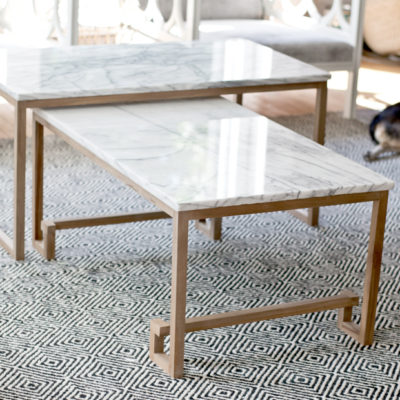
x,y
32,74
198,154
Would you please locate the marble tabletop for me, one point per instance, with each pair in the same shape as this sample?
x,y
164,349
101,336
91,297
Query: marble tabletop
x,y
207,153
84,71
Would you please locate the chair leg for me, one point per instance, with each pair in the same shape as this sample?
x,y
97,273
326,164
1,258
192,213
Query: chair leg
x,y
351,95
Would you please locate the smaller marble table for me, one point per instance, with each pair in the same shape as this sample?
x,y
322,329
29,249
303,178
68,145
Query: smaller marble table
x,y
205,159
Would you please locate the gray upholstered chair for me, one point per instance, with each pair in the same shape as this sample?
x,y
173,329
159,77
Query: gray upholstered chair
x,y
317,34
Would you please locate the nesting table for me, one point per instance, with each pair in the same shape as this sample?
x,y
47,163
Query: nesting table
x,y
209,158
83,75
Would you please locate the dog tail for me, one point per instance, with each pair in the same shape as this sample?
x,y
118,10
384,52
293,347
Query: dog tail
x,y
372,127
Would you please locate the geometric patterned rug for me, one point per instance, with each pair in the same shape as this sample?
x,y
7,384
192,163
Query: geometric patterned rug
x,y
78,327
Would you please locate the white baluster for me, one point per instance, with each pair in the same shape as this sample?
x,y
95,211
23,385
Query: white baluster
x,y
72,34
176,18
193,11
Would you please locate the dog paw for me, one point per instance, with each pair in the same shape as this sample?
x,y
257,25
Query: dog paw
x,y
368,156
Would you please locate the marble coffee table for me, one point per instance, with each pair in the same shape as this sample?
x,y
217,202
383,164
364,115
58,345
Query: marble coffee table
x,y
219,160
82,75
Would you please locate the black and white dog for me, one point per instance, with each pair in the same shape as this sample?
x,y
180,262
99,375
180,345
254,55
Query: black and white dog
x,y
385,132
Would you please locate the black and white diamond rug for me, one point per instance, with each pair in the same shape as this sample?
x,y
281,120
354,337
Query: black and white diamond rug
x,y
78,328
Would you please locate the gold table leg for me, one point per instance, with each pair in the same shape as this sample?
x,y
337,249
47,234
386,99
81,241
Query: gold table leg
x,y
16,246
364,333
173,363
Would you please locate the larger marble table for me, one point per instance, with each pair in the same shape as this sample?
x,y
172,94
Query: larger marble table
x,y
72,76
220,160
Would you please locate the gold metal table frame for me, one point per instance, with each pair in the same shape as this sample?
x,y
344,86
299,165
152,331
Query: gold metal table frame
x,y
15,245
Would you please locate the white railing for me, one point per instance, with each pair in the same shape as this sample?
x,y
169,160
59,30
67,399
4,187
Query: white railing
x,y
3,21
187,30
43,16
287,11
70,35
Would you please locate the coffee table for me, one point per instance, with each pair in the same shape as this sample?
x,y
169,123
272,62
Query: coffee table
x,y
223,160
72,76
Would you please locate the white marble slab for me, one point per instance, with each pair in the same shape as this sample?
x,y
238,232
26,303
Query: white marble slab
x,y
32,74
196,154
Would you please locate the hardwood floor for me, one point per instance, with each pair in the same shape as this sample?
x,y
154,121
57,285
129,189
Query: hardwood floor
x,y
296,102
378,81
378,85
6,121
